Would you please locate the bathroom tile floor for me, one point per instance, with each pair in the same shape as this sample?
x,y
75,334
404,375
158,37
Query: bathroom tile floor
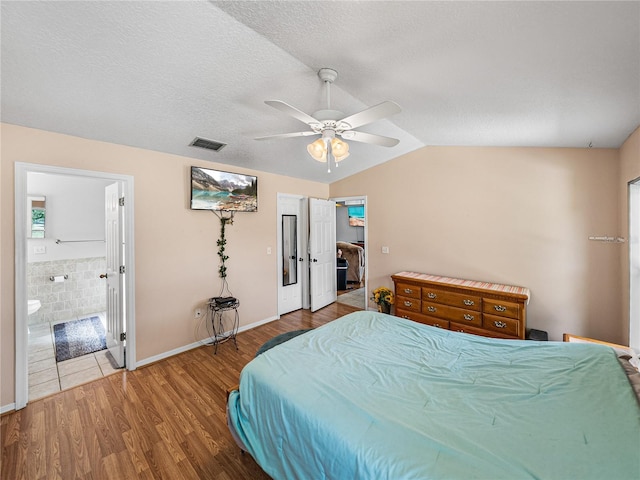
x,y
47,377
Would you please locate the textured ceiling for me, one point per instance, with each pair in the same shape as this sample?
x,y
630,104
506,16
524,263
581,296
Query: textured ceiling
x,y
156,74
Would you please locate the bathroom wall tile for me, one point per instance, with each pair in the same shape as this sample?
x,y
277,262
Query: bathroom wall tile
x,y
82,283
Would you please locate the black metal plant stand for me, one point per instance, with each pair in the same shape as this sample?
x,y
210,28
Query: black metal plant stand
x,y
217,307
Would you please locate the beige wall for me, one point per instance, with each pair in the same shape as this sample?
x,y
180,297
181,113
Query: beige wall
x,y
176,262
629,170
520,216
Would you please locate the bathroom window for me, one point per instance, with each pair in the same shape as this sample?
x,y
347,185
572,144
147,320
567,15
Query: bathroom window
x,y
37,209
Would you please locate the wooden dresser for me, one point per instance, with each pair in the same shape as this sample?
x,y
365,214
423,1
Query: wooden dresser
x,y
481,308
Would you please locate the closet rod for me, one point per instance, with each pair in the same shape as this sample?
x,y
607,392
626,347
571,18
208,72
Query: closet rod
x,y
76,241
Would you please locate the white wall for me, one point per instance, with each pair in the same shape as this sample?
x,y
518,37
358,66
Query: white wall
x,y
74,211
345,232
520,216
176,261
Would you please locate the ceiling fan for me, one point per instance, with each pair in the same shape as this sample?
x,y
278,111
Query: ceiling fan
x,y
331,124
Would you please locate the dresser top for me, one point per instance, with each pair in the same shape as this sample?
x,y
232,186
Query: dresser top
x,y
498,287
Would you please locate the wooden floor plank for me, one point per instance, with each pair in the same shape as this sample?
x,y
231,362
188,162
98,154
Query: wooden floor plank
x,y
165,420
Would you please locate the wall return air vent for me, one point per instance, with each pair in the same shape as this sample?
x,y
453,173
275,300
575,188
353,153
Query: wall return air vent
x,y
207,144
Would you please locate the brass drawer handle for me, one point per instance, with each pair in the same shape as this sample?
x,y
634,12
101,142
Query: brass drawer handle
x,y
407,303
468,302
406,316
408,290
500,324
431,309
437,325
500,308
431,295
466,316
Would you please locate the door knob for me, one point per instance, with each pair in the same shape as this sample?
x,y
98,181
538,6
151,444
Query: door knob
x,y
301,259
315,259
103,275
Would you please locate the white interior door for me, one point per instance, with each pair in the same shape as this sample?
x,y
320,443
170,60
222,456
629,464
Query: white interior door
x,y
114,215
322,252
290,254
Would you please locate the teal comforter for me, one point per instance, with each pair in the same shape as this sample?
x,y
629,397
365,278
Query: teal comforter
x,y
371,396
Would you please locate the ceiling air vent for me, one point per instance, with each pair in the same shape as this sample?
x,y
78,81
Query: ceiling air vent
x,y
208,144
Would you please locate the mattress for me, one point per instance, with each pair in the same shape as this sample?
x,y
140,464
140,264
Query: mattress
x,y
371,396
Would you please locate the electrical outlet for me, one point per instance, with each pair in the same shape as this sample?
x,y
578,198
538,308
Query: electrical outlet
x,y
385,249
39,250
268,250
198,312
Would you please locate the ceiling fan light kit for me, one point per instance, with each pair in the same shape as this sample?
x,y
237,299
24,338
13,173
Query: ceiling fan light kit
x,y
331,124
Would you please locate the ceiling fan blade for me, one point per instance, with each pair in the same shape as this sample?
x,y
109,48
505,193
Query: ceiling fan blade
x,y
292,111
371,114
288,135
370,138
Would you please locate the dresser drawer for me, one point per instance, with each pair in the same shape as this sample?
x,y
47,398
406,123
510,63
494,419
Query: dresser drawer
x,y
461,300
502,308
434,322
407,290
503,325
457,327
470,317
410,315
406,303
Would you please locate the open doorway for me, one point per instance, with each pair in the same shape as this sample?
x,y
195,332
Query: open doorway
x,y
60,272
351,251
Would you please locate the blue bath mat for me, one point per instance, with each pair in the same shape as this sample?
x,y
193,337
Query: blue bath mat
x,y
79,337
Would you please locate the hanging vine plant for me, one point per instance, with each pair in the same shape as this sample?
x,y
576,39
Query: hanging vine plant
x,y
222,242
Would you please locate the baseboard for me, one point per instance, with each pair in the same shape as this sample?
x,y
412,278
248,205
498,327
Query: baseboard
x,y
7,408
140,363
191,346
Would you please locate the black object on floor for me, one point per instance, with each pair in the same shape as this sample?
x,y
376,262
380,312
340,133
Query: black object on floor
x,y
278,339
539,335
341,272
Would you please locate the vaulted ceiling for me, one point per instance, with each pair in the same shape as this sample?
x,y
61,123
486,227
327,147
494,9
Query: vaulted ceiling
x,y
155,75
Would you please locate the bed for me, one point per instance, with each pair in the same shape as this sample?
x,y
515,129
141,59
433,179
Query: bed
x,y
372,396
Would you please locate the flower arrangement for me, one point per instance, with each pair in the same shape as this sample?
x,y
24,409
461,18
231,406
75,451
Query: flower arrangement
x,y
384,298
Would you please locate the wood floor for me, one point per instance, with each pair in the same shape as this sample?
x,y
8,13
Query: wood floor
x,y
165,420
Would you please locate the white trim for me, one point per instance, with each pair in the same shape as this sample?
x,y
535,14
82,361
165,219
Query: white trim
x,y
191,346
7,408
367,266
634,263
20,258
303,234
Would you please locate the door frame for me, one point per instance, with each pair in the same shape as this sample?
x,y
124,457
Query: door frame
x,y
633,196
363,199
303,234
20,258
